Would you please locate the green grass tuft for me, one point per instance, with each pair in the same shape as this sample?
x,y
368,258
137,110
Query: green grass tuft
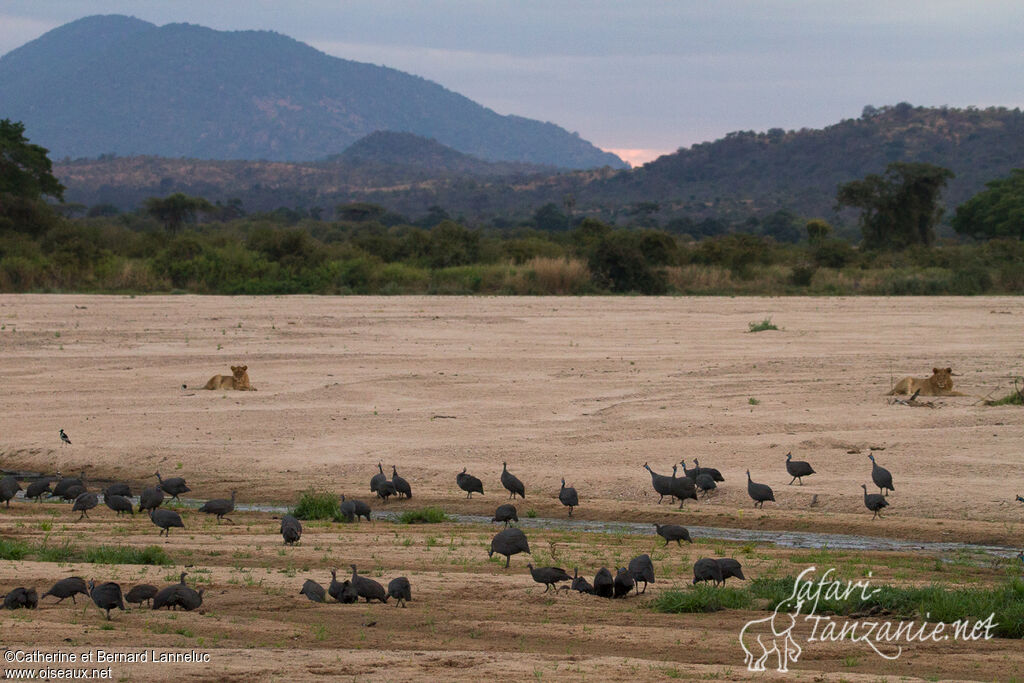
x,y
55,553
427,515
106,554
702,599
765,324
12,550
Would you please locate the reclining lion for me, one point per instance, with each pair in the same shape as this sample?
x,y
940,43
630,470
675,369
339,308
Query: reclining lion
x,y
239,380
939,384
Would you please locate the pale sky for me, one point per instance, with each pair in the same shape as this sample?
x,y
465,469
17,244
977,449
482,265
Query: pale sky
x,y
638,77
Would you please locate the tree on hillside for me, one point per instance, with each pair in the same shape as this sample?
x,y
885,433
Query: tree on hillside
x,y
360,212
900,208
26,178
995,212
177,209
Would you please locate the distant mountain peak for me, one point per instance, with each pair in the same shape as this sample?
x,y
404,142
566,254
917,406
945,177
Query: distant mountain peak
x,y
117,84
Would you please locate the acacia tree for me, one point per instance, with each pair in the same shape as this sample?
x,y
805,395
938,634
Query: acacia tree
x,y
177,209
26,178
899,208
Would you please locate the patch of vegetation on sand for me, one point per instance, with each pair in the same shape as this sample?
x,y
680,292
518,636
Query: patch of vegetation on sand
x,y
761,326
427,515
317,505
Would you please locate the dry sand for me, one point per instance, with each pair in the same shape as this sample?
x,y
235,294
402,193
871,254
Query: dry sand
x,y
585,388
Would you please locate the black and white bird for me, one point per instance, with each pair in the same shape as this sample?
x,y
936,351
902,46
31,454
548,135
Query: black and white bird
x,y
64,440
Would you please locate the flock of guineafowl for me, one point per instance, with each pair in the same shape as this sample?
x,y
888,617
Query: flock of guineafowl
x,y
507,542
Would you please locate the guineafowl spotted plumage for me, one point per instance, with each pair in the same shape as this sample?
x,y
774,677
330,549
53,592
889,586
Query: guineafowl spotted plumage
x,y
730,567
706,569
291,530
759,492
506,513
118,489
118,504
166,520
376,479
662,484
141,593
67,588
367,588
401,485
38,488
874,502
568,497
21,598
511,483
344,592
151,498
604,583
623,583
85,502
579,583
641,569
683,488
548,576
313,591
798,469
9,488
509,542
107,596
673,532
881,477
220,507
469,483
715,474
386,489
706,484
400,590
60,489
352,510
174,487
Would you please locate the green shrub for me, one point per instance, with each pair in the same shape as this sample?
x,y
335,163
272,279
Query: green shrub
x,y
317,505
55,553
12,550
427,515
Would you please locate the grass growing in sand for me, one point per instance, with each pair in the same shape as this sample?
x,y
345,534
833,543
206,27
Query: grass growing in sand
x,y
427,515
763,325
317,505
106,554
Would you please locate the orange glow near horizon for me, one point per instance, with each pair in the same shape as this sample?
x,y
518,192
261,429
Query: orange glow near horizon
x,y
639,157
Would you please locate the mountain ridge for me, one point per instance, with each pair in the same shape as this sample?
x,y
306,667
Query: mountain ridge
x,y
115,84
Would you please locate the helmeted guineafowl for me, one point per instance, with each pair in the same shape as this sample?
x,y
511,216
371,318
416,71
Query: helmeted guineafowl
x,y
759,492
107,596
509,542
730,567
67,588
367,588
400,590
661,483
469,483
21,598
641,569
706,569
874,501
376,479
604,583
64,483
144,592
673,532
506,513
706,484
548,576
715,474
511,483
166,520
168,595
881,476
344,592
39,487
683,488
190,599
579,583
85,502
623,583
798,469
118,489
352,510
401,485
151,498
174,486
9,488
220,507
118,504
568,497
291,530
386,489
313,591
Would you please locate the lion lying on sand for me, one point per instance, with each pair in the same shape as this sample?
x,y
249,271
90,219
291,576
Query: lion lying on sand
x,y
939,384
239,380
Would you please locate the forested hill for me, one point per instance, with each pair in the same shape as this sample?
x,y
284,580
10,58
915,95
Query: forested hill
x,y
116,84
740,176
800,170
